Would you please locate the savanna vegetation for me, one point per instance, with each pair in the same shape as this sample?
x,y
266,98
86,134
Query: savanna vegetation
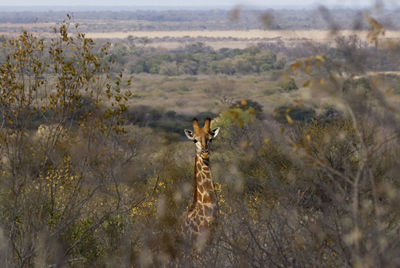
x,y
195,59
95,171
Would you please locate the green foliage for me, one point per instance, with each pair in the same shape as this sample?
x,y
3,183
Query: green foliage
x,y
290,85
194,59
236,117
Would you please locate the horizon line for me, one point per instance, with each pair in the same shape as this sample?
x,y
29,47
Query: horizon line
x,y
169,7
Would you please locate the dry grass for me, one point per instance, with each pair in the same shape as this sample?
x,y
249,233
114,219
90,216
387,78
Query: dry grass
x,y
194,94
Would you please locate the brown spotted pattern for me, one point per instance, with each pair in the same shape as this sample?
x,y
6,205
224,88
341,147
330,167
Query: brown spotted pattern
x,y
200,219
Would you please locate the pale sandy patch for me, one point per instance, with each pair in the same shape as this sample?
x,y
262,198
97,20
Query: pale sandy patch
x,y
240,39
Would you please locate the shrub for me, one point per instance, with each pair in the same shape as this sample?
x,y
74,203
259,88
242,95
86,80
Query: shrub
x,y
246,103
290,85
295,113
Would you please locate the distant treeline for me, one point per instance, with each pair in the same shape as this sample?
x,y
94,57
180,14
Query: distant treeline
x,y
209,19
194,59
134,56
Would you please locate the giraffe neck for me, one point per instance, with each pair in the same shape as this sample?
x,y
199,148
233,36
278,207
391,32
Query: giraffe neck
x,y
204,194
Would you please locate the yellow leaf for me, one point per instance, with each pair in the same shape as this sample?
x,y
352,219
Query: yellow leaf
x,y
308,137
289,119
389,91
308,69
307,83
243,102
267,140
320,58
295,65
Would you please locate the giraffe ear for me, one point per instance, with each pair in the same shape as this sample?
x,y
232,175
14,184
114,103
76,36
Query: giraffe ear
x,y
215,132
189,134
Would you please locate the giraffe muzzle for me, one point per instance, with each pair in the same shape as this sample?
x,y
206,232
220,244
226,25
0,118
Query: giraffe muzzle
x,y
204,153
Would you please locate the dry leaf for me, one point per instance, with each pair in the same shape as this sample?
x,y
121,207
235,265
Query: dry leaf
x,y
296,65
289,119
389,91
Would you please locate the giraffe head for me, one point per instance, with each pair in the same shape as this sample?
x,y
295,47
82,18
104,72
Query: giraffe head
x,y
202,136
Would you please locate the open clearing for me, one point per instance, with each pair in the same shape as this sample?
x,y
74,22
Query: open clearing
x,y
316,35
218,39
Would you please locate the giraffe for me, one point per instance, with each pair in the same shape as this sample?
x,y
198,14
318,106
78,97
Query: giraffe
x,y
200,219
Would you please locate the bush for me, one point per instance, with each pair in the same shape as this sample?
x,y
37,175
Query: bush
x,y
295,113
55,183
290,85
246,103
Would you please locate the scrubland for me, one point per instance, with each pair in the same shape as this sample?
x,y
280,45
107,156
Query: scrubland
x,y
96,172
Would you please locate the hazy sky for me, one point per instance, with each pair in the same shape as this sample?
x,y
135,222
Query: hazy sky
x,y
178,2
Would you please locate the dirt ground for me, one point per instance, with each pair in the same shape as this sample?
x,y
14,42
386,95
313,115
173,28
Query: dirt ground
x,y
238,39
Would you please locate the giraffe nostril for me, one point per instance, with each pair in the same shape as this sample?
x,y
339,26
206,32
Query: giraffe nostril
x,y
204,152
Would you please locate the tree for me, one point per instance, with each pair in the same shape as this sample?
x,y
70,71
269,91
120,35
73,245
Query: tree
x,y
53,178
